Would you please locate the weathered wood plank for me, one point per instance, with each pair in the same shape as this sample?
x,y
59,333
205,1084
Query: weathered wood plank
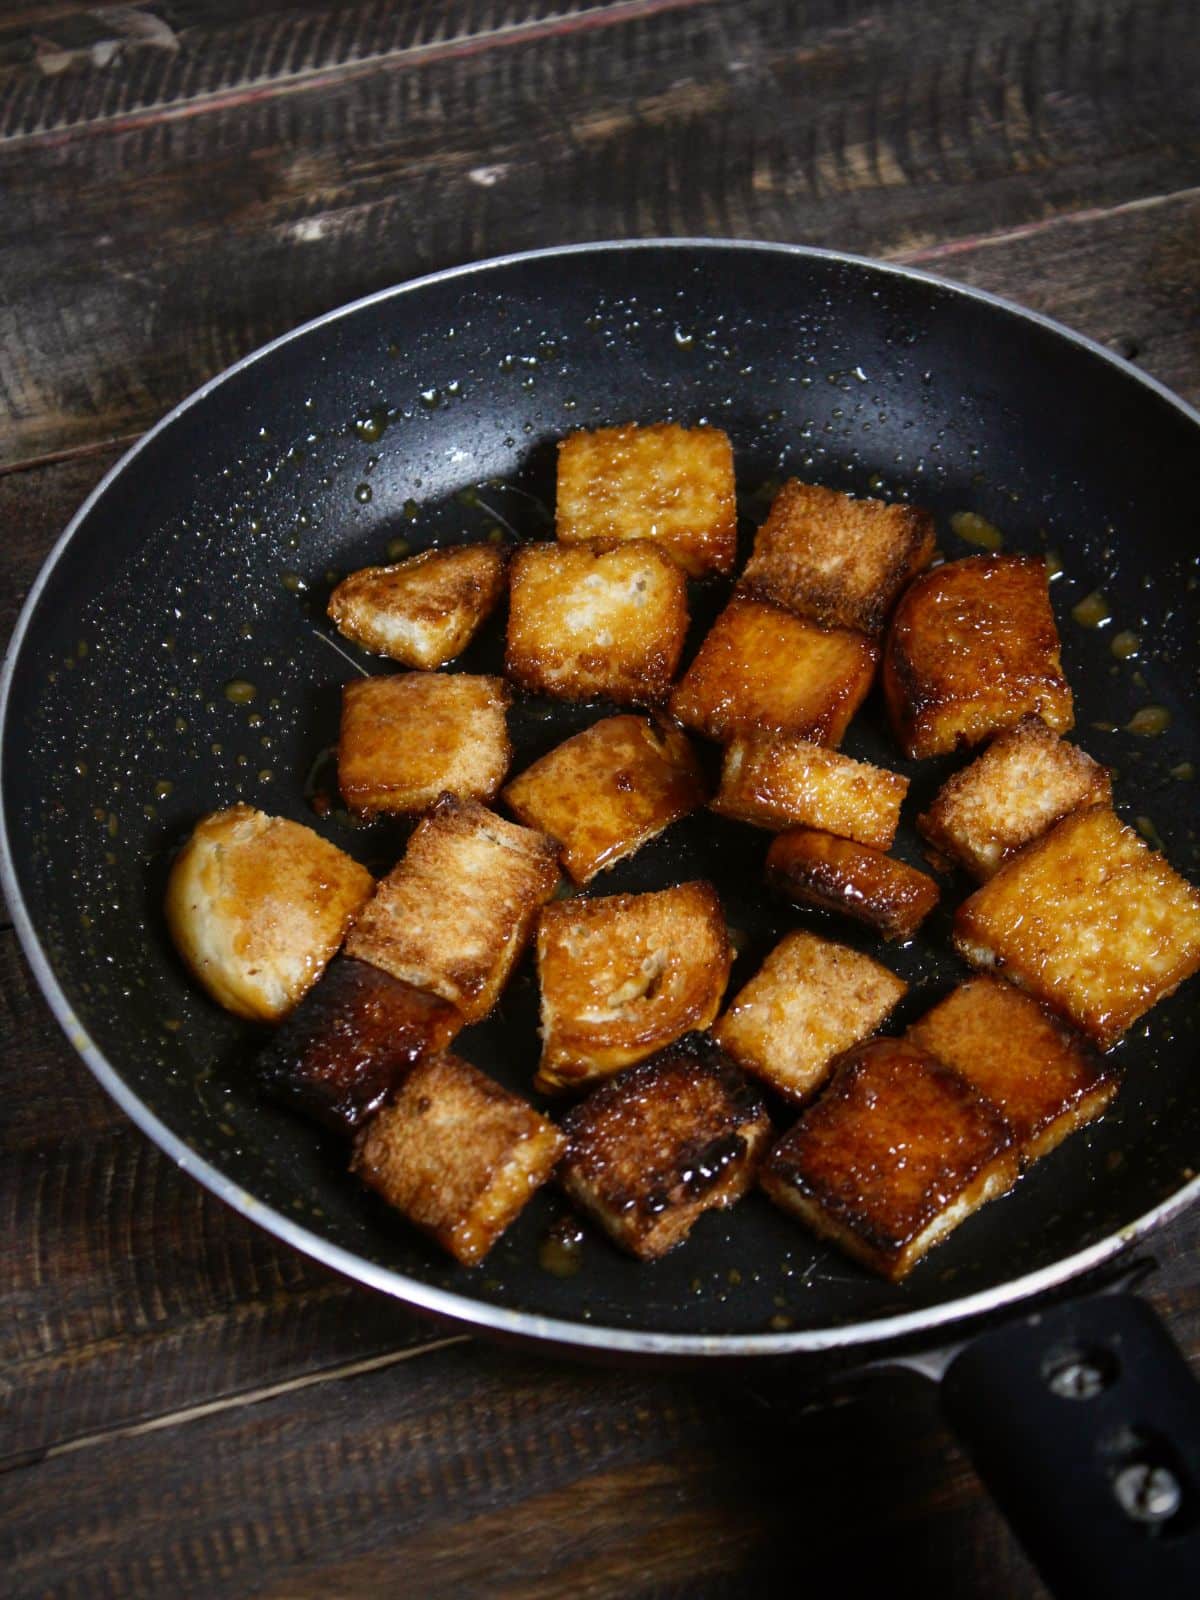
x,y
67,67
142,258
477,1472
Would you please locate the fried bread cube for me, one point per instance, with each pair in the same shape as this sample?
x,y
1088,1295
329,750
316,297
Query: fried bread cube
x,y
257,906
973,648
625,975
424,611
596,620
609,790
895,1154
810,1000
1024,781
664,1141
1039,1075
351,1040
1089,920
833,558
456,912
761,669
409,738
778,782
816,869
457,1155
662,482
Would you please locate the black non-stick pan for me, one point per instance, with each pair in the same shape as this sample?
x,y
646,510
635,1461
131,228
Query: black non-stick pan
x,y
173,657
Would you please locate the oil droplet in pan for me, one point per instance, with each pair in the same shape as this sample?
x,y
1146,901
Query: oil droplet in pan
x,y
977,530
1092,611
240,692
1149,721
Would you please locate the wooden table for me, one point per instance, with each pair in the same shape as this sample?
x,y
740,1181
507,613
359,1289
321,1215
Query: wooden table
x,y
188,1408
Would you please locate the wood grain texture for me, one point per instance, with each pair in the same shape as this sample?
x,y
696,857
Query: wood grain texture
x,y
487,1473
144,253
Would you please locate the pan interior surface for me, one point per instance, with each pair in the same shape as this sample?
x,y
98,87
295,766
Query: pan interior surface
x,y
177,660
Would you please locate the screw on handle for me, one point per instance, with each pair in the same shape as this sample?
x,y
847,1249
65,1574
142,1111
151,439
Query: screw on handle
x,y
1084,1422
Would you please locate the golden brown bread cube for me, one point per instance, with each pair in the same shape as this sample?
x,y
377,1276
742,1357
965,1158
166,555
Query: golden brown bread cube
x,y
424,611
625,975
973,648
1024,781
653,1148
596,620
457,1155
895,1154
663,482
609,790
775,781
761,669
810,1000
833,558
817,869
407,739
257,905
1034,1070
351,1040
1089,920
456,912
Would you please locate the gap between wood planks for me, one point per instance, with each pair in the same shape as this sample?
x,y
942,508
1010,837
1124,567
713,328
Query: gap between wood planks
x,y
232,1402
469,44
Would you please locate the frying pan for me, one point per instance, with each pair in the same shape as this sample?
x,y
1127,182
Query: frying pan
x,y
173,658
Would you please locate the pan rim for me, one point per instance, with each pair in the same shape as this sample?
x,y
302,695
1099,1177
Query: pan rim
x,y
450,1304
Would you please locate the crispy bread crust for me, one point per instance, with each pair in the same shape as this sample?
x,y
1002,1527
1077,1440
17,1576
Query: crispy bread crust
x,y
898,1151
972,649
761,669
833,558
257,906
1090,921
457,1154
662,482
653,1148
817,869
776,782
596,620
609,790
423,611
625,975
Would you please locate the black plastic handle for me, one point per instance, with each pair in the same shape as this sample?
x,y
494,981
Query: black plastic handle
x,y
1084,1423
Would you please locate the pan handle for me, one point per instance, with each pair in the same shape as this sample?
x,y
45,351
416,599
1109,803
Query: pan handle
x,y
1084,1423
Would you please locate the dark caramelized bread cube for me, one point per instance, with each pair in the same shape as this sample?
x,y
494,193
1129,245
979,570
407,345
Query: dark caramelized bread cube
x,y
662,482
608,791
761,669
625,975
351,1040
777,782
897,1152
409,738
818,870
662,1142
421,612
1089,920
1024,781
455,914
1033,1069
457,1155
835,559
810,1000
972,649
594,620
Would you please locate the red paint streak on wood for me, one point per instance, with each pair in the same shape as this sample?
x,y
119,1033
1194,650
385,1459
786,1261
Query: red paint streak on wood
x,y
616,15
